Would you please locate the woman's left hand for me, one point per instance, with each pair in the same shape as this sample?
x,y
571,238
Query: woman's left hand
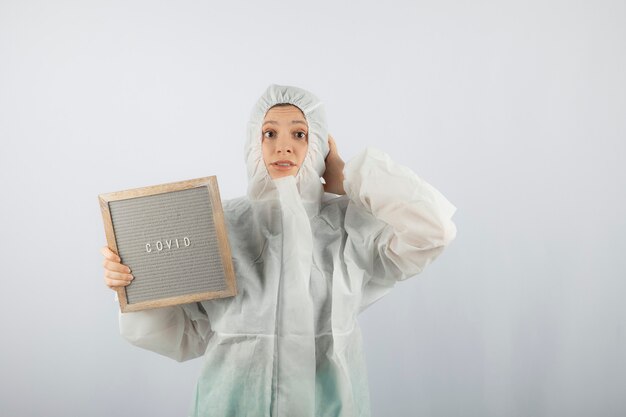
x,y
333,176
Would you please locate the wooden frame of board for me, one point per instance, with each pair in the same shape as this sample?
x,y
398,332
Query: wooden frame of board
x,y
220,229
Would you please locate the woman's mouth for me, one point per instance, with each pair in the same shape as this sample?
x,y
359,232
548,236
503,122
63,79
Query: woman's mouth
x,y
283,165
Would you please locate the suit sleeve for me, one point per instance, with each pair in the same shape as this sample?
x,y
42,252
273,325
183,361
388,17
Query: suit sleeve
x,y
179,332
396,222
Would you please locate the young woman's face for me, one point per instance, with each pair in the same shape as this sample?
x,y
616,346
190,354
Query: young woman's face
x,y
285,140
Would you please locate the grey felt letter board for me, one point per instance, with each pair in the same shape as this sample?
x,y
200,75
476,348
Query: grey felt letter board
x,y
173,238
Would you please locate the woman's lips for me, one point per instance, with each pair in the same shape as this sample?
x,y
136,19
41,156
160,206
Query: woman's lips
x,y
283,165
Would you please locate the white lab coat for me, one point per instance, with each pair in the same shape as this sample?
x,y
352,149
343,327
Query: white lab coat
x,y
289,343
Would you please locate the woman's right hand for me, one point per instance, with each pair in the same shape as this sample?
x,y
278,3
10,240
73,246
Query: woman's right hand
x,y
116,274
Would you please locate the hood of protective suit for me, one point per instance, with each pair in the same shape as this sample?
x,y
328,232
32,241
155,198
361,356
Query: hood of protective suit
x,y
261,186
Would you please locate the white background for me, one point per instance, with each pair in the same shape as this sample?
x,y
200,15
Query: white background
x,y
515,111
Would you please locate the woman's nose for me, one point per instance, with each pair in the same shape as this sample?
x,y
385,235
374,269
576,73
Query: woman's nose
x,y
283,146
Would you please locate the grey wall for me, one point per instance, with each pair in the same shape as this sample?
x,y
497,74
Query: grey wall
x,y
516,111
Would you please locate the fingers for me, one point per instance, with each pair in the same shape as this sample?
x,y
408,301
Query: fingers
x,y
332,147
333,153
115,283
112,262
109,254
117,279
115,267
116,274
333,175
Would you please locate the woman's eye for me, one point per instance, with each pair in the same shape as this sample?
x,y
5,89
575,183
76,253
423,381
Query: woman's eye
x,y
268,134
301,135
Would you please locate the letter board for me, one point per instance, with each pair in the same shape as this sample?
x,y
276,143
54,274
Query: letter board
x,y
173,238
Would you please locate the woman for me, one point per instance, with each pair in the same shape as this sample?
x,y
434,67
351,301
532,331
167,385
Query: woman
x,y
289,343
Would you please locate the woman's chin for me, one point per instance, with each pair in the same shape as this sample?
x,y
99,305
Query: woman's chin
x,y
282,175
276,173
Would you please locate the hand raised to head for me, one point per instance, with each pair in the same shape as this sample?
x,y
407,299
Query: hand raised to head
x,y
333,175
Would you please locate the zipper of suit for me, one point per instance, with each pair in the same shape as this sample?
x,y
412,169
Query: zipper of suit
x,y
278,318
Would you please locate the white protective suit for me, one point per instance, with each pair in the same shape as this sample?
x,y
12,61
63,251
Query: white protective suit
x,y
289,344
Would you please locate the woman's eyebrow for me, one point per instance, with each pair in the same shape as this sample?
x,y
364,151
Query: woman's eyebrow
x,y
292,122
